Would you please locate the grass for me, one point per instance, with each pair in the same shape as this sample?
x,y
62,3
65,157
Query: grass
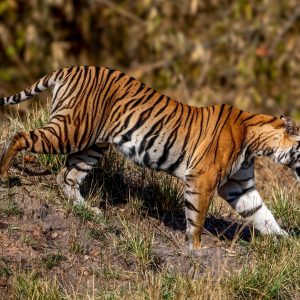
x,y
8,207
29,241
50,261
136,205
286,208
32,286
97,234
138,243
5,271
83,212
170,192
273,273
76,245
11,209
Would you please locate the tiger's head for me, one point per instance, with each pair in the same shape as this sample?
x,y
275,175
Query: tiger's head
x,y
291,157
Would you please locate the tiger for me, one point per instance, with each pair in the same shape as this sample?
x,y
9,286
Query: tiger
x,y
208,148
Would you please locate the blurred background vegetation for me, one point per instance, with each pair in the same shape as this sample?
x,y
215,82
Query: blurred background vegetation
x,y
200,52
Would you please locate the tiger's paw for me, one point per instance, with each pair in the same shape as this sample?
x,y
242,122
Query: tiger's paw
x,y
78,200
283,233
4,182
194,243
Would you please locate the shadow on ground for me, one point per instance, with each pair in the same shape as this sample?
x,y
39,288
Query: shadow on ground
x,y
115,189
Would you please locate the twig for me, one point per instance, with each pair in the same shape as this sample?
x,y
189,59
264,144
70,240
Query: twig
x,y
121,11
172,240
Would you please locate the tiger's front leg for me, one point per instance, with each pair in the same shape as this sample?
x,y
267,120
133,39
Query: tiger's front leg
x,y
198,195
240,192
77,168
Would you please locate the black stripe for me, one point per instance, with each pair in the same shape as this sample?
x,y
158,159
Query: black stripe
x,y
249,189
192,222
217,124
262,123
27,94
190,206
36,89
172,114
154,132
239,114
168,145
146,159
136,101
219,118
232,196
155,128
218,139
141,87
176,164
248,118
198,139
171,140
130,80
189,176
191,192
207,121
250,212
109,81
125,125
73,84
131,152
146,99
45,138
163,108
141,120
107,102
241,180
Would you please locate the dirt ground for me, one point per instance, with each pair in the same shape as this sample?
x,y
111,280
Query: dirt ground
x,y
40,232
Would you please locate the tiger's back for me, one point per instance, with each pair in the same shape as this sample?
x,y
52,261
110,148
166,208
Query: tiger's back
x,y
94,105
98,105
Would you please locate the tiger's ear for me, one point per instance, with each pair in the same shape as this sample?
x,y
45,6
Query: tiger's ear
x,y
291,127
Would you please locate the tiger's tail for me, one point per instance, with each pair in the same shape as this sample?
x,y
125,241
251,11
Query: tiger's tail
x,y
39,86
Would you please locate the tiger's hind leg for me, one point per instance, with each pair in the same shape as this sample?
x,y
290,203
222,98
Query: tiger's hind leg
x,y
77,167
44,140
240,192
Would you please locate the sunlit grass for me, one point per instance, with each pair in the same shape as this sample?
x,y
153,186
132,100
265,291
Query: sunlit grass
x,y
138,242
286,207
273,272
31,286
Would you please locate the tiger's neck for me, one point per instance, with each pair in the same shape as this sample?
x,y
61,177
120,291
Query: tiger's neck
x,y
265,136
